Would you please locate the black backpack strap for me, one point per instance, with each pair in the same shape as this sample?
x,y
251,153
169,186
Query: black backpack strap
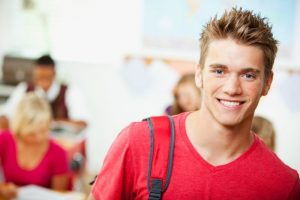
x,y
162,139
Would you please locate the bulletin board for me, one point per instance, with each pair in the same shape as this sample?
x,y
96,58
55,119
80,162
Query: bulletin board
x,y
176,25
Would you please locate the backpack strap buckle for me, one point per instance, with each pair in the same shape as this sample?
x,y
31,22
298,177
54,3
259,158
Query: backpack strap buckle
x,y
156,190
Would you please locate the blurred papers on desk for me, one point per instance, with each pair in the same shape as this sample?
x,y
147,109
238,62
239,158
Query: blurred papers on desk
x,y
33,192
69,137
66,131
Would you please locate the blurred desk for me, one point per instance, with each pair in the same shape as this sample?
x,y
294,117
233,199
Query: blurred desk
x,y
70,138
51,195
33,192
73,141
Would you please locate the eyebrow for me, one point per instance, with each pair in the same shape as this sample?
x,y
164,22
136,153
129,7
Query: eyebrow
x,y
217,66
248,69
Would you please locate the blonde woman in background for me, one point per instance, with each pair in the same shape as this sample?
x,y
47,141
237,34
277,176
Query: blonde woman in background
x,y
27,154
187,96
265,130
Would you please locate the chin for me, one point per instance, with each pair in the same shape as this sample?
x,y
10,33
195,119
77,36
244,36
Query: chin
x,y
229,122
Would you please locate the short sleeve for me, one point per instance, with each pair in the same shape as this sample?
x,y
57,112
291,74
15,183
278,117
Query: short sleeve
x,y
115,179
2,145
5,140
9,108
60,162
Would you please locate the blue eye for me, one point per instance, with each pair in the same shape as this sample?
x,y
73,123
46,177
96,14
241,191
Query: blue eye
x,y
249,76
219,71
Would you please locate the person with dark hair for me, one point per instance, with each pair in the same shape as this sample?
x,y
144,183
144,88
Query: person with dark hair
x,y
216,156
45,60
66,102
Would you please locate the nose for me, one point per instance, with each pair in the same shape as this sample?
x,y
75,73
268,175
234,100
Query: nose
x,y
232,86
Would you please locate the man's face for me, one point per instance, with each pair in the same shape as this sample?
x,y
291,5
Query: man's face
x,y
232,81
43,76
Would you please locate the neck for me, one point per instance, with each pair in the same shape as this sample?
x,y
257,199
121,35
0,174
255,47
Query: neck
x,y
32,147
216,143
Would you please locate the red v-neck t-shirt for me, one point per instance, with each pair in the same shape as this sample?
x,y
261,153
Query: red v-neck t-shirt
x,y
257,174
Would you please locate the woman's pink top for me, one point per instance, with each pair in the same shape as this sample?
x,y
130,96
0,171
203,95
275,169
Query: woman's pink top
x,y
54,163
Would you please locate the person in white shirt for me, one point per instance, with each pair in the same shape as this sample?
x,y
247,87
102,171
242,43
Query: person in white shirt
x,y
67,102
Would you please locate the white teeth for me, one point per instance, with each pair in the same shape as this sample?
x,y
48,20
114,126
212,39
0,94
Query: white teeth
x,y
230,103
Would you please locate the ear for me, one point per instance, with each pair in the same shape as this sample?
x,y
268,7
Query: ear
x,y
198,77
267,84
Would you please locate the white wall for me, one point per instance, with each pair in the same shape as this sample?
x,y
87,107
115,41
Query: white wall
x,y
96,34
96,31
7,11
281,107
89,40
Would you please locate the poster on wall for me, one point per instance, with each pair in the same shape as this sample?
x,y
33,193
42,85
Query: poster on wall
x,y
176,25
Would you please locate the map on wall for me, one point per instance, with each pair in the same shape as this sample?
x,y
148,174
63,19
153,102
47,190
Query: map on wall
x,y
176,25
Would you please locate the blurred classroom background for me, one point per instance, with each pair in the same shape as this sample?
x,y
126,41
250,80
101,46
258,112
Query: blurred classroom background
x,y
126,55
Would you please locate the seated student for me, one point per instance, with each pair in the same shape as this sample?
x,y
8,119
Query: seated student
x,y
265,130
27,154
186,96
66,102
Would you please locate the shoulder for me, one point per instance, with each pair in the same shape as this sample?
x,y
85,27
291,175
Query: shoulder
x,y
283,169
138,133
279,170
55,149
282,176
22,85
56,156
6,140
57,159
20,90
6,135
63,87
133,134
136,136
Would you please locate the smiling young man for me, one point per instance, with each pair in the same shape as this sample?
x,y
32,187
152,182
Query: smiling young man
x,y
216,155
